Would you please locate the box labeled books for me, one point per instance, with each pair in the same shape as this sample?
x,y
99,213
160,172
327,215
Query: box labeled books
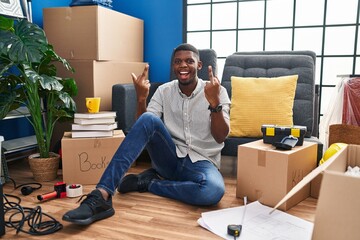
x,y
84,159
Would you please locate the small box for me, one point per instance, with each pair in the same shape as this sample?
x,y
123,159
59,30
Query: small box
x,y
267,175
94,33
96,79
275,133
84,159
337,212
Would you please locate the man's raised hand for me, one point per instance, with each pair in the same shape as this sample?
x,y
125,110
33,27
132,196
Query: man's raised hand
x,y
212,89
142,85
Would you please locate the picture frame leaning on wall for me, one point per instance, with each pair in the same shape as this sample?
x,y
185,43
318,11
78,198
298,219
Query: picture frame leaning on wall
x,y
11,8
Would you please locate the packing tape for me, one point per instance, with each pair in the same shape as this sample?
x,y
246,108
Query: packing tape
x,y
74,190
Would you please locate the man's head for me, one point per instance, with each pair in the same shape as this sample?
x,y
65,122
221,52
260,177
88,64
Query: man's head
x,y
186,63
187,47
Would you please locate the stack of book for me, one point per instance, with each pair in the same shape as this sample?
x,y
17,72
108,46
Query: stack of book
x,y
101,124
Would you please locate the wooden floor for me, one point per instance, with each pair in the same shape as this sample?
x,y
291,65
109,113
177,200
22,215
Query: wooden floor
x,y
138,215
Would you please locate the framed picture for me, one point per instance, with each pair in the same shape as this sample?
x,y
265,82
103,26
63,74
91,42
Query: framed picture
x,y
11,8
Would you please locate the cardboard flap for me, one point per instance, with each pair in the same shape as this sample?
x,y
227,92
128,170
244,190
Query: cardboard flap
x,y
308,178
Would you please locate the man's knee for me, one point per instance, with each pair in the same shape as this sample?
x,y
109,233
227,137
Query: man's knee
x,y
210,195
148,117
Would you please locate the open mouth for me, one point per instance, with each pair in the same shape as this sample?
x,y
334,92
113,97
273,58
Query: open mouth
x,y
183,74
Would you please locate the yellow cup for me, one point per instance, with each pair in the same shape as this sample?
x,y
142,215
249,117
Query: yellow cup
x,y
93,104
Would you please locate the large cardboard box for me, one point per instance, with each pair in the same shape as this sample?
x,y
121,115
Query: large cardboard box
x,y
315,185
96,79
338,209
267,175
85,159
94,32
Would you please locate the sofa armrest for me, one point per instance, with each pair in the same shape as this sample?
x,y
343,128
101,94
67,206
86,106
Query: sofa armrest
x,y
124,104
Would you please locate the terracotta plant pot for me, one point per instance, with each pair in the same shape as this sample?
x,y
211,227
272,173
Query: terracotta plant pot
x,y
44,169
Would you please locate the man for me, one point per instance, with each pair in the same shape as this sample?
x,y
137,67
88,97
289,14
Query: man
x,y
183,129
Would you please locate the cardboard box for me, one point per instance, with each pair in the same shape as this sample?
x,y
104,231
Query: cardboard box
x,y
94,33
338,209
267,175
85,159
274,133
315,185
96,79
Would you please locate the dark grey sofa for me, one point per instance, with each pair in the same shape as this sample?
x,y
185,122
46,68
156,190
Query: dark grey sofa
x,y
275,64
246,64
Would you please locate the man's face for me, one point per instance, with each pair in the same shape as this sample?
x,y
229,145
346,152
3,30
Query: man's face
x,y
185,66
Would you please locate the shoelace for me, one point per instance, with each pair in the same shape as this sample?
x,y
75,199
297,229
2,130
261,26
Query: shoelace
x,y
90,199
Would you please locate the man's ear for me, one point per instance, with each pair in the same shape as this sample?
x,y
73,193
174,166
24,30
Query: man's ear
x,y
199,66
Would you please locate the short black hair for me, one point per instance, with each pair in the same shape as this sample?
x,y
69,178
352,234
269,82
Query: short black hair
x,y
187,47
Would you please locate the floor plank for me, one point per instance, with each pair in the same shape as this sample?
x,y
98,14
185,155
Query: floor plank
x,y
138,215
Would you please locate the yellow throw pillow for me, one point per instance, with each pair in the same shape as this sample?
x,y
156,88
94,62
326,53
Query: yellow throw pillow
x,y
258,101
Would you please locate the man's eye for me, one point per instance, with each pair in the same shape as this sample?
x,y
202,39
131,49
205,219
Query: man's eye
x,y
187,61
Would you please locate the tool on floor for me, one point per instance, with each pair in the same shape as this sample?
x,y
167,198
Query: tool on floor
x,y
59,192
235,229
74,190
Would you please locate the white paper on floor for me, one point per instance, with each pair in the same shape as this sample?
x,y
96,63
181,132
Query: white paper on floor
x,y
258,224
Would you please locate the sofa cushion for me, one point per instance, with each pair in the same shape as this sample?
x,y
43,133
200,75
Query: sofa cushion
x,y
258,101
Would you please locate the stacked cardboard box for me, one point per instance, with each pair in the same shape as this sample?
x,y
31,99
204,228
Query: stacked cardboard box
x,y
102,45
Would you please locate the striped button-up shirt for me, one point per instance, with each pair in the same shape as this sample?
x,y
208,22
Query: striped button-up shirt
x,y
188,120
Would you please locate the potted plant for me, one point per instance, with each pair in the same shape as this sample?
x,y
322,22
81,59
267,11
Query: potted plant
x,y
28,78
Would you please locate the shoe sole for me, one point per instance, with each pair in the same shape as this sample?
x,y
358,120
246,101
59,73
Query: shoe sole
x,y
87,221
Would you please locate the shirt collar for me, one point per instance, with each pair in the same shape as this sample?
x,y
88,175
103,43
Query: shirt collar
x,y
198,88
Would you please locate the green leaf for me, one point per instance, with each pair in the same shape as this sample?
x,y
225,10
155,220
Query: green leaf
x,y
6,102
70,86
56,57
6,24
50,83
31,74
26,44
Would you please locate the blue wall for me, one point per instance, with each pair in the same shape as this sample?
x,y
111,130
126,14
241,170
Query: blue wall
x,y
162,32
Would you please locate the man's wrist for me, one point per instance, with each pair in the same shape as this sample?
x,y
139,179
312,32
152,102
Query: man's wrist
x,y
216,109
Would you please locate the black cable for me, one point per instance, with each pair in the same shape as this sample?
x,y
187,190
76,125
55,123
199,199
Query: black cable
x,y
26,187
19,216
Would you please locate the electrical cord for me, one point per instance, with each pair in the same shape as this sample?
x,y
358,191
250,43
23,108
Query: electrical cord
x,y
17,217
26,188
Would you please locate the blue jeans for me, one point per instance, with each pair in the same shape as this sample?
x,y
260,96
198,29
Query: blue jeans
x,y
198,183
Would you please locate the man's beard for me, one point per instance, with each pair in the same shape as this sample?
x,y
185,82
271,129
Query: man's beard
x,y
185,83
